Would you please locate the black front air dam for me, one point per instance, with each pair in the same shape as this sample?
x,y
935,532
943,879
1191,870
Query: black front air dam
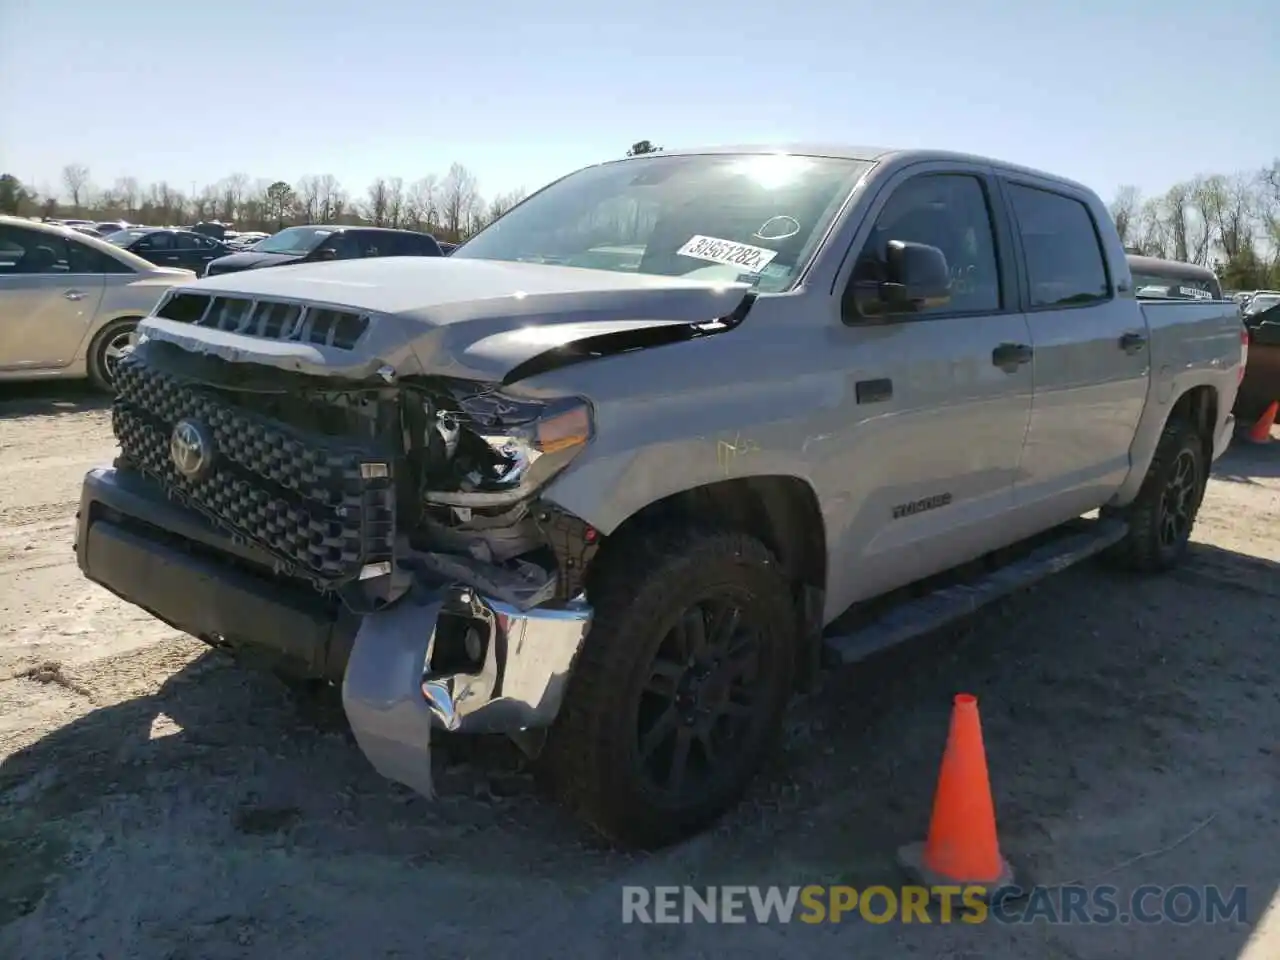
x,y
131,541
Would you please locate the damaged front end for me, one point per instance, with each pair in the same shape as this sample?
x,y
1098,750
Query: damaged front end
x,y
411,502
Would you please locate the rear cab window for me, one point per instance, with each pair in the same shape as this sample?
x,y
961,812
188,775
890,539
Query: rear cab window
x,y
1066,266
1183,288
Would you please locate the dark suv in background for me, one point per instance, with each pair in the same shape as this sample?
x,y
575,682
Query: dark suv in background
x,y
314,243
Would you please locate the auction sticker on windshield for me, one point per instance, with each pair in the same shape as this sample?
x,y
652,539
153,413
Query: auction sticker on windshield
x,y
741,255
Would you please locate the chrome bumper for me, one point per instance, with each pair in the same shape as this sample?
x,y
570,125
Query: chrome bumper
x,y
458,661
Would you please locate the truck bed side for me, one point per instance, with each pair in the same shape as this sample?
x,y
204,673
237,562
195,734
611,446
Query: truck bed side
x,y
1193,344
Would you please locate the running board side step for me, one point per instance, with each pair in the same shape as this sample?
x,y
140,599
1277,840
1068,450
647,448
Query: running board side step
x,y
921,615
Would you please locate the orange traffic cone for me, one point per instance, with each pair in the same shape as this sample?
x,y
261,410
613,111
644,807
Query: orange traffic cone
x,y
962,848
1260,432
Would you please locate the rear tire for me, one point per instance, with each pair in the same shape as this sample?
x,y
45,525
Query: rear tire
x,y
106,350
1163,514
678,693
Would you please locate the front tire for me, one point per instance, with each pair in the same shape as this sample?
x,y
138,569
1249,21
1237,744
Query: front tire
x,y
1163,514
679,691
107,349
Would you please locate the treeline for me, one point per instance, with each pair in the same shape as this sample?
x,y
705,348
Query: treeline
x,y
449,206
1230,222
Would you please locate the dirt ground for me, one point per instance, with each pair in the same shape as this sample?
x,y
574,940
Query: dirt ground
x,y
158,800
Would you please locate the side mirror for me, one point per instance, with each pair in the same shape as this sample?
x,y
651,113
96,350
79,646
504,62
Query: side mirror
x,y
915,277
327,253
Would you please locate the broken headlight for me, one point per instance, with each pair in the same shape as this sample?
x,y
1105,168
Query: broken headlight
x,y
504,448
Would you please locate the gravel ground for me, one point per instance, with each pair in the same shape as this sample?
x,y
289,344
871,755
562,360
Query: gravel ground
x,y
158,800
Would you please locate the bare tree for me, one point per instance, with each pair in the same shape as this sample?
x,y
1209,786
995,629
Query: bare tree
x,y
204,205
503,202
420,207
166,204
233,190
330,198
1152,232
1124,211
378,202
458,199
126,192
395,202
76,178
1175,212
1264,189
307,196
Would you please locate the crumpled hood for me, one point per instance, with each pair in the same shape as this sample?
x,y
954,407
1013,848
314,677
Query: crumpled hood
x,y
475,319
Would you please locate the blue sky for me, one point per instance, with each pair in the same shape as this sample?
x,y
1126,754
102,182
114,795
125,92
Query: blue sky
x,y
1124,91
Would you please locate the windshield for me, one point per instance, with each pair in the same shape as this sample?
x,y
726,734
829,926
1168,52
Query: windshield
x,y
293,240
755,218
1260,303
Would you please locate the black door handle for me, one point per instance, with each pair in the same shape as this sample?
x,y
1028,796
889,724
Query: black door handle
x,y
1010,356
1133,342
873,391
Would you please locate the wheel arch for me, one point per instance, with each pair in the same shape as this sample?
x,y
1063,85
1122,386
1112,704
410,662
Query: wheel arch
x,y
1200,405
782,511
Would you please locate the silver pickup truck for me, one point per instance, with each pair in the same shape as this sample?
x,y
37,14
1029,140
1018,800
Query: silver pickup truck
x,y
614,477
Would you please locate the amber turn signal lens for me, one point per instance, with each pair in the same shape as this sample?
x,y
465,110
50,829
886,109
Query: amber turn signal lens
x,y
571,428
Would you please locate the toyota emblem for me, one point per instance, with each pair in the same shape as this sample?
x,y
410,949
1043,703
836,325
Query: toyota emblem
x,y
191,449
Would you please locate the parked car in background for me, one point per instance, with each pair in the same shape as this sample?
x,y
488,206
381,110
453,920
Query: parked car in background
x,y
69,303
1154,278
214,229
1261,301
166,247
318,243
1261,384
89,230
112,226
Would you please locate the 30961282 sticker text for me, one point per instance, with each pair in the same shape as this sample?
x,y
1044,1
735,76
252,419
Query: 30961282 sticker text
x,y
741,255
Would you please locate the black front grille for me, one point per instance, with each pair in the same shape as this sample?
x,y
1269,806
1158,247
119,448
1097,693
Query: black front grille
x,y
323,506
269,319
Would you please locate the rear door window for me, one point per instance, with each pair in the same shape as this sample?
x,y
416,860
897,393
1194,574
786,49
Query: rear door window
x,y
1065,263
26,252
85,259
153,242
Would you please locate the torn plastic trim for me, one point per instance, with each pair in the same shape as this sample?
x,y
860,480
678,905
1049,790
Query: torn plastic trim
x,y
414,667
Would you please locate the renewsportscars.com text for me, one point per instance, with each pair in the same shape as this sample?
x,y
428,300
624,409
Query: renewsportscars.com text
x,y
1182,904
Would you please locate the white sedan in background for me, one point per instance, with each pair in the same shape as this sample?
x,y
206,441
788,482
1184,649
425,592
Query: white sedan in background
x,y
69,303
